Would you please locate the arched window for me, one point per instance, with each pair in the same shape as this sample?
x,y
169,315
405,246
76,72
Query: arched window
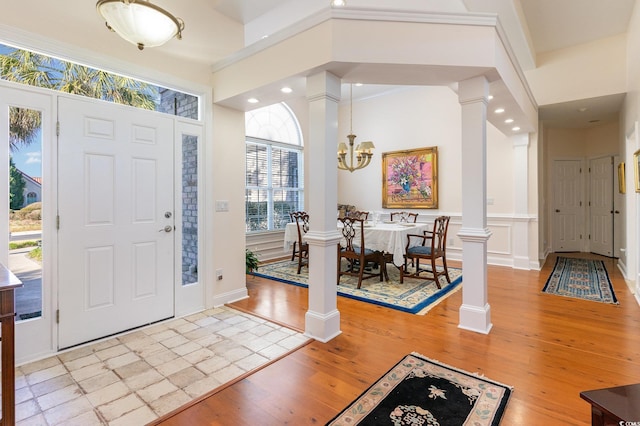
x,y
274,172
32,197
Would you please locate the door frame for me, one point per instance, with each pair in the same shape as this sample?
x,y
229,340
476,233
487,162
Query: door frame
x,y
552,207
188,299
588,212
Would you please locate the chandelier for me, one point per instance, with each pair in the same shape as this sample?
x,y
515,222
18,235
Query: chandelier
x,y
363,151
140,22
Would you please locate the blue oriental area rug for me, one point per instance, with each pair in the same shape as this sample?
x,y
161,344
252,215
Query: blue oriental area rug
x,y
582,279
415,295
421,391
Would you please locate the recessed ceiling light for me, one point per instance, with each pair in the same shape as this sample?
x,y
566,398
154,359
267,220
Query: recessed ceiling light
x,y
358,84
508,120
583,109
286,90
490,97
253,100
515,129
499,111
338,3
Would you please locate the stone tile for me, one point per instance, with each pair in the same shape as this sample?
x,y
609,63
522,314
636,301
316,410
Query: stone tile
x,y
100,381
108,393
164,335
184,378
212,365
105,344
251,362
223,346
170,402
40,376
42,364
140,343
132,369
257,344
168,368
154,329
78,363
134,336
27,409
139,416
236,319
186,328
23,394
160,358
177,323
21,380
120,407
61,413
174,341
52,385
89,371
294,341
206,321
112,352
229,373
198,356
37,420
150,350
209,339
273,351
75,354
122,360
143,380
59,397
275,336
247,325
203,386
197,333
237,353
262,330
187,348
88,418
195,317
157,390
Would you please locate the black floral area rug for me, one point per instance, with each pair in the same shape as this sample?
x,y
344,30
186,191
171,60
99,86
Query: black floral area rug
x,y
420,391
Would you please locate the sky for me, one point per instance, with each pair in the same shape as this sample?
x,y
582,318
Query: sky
x,y
28,159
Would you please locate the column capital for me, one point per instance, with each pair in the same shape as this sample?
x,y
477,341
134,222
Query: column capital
x,y
323,86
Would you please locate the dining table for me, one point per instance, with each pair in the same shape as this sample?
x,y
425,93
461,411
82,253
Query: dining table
x,y
385,236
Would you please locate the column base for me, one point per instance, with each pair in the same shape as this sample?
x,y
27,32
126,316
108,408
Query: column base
x,y
322,327
475,318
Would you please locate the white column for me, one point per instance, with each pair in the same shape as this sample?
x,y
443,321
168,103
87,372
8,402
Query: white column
x,y
475,312
521,201
322,320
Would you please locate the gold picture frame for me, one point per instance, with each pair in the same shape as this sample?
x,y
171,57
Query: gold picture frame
x,y
621,183
636,169
410,178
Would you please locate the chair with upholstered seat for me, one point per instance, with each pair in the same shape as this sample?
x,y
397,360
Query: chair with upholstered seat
x,y
302,252
358,215
432,245
356,253
404,217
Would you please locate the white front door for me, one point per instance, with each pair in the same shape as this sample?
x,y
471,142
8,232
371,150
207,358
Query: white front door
x,y
601,206
116,219
567,205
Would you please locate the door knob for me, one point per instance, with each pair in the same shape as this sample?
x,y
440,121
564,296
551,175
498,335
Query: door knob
x,y
617,211
167,228
557,211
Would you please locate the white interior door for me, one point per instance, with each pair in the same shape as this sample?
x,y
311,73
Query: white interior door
x,y
601,206
116,198
567,205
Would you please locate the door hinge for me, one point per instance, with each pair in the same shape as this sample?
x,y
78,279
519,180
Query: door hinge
x,y
589,236
580,236
580,203
57,222
57,128
57,316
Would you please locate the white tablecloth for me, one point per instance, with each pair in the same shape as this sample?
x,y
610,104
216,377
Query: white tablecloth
x,y
386,237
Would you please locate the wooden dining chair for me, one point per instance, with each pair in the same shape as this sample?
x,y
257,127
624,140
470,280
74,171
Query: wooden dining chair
x,y
302,251
432,246
358,215
404,217
358,256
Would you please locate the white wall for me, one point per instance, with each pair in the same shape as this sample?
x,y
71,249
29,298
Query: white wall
x,y
417,117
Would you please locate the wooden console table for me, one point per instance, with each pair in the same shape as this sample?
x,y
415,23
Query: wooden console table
x,y
8,284
614,406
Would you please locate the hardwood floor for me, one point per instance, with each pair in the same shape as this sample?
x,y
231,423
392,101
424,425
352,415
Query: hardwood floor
x,y
549,348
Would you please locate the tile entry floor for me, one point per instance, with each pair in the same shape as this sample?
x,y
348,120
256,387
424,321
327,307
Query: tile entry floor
x,y
134,378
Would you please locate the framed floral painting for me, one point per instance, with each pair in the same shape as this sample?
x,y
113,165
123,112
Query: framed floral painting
x,y
410,179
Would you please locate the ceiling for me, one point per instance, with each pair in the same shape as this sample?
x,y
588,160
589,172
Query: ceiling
x,y
213,28
552,25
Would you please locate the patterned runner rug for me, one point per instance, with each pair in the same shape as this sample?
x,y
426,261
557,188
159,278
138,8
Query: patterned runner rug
x,y
420,391
415,296
582,279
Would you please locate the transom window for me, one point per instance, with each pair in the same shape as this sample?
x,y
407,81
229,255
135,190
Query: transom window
x,y
274,169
